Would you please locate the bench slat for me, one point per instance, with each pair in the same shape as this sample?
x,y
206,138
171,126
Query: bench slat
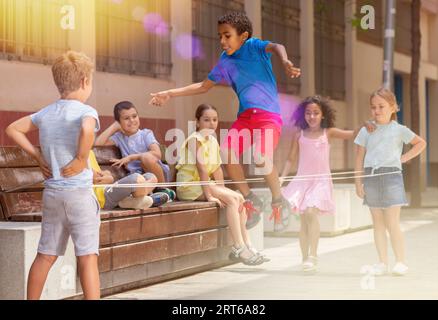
x,y
15,157
19,203
114,232
122,213
19,177
138,253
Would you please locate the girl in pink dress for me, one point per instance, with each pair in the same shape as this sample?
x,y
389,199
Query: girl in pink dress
x,y
312,194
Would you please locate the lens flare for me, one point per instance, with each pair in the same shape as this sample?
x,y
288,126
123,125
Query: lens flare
x,y
187,51
154,23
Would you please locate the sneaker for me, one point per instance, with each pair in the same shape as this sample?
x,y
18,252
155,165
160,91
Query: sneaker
x,y
400,269
379,269
286,210
310,264
256,202
278,222
136,203
170,192
159,198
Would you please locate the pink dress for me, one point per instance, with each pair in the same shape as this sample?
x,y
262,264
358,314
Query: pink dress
x,y
314,159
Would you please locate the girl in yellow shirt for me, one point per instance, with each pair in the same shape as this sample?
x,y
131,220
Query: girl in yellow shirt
x,y
200,162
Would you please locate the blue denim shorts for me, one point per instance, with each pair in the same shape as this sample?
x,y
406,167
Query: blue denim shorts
x,y
384,191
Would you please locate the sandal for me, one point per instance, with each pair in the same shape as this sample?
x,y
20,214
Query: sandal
x,y
254,250
235,255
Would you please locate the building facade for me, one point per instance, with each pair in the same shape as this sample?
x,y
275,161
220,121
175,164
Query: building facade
x,y
143,46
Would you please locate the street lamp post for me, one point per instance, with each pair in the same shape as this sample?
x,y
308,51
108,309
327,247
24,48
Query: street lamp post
x,y
388,63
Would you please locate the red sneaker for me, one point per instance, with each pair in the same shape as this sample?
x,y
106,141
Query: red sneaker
x,y
253,215
278,222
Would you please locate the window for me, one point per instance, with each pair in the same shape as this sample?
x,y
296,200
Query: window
x,y
330,48
133,37
30,30
205,15
371,36
281,24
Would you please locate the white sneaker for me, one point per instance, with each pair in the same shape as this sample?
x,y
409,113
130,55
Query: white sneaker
x,y
379,269
136,203
400,269
310,264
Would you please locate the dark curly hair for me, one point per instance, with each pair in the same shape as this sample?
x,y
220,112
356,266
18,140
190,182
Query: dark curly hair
x,y
237,20
327,110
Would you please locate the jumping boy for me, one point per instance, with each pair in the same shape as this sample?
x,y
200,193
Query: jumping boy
x,y
246,66
66,132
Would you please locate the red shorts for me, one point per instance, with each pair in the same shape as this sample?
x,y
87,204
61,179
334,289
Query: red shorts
x,y
254,126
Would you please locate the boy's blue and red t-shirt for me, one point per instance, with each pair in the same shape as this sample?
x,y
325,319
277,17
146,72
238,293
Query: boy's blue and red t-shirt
x,y
249,72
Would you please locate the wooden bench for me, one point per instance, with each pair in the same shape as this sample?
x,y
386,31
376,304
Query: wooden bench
x,y
137,247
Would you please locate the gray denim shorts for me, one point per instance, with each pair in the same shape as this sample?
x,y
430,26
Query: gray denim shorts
x,y
384,191
114,195
69,212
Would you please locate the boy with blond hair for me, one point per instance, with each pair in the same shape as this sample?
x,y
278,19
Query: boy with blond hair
x,y
66,130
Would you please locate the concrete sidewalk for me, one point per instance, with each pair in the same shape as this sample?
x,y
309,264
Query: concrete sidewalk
x,y
339,277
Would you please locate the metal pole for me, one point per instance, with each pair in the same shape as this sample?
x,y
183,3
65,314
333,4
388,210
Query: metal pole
x,y
388,63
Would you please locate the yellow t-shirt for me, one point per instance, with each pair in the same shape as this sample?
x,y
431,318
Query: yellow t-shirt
x,y
187,170
99,192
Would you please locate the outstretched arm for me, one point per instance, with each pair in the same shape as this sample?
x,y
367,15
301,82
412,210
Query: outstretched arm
x,y
280,51
350,134
342,134
162,97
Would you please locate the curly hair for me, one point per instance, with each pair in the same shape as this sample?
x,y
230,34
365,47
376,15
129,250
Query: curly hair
x,y
237,20
327,110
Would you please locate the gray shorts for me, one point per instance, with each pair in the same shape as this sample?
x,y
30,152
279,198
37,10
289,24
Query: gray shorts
x,y
69,212
114,195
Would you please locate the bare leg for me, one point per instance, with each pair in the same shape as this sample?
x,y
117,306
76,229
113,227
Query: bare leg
x,y
235,171
245,234
380,234
144,191
230,199
149,163
273,182
38,274
304,237
313,229
392,222
89,276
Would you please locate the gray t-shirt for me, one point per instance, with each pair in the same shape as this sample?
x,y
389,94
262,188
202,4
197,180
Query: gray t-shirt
x,y
139,142
384,146
59,127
